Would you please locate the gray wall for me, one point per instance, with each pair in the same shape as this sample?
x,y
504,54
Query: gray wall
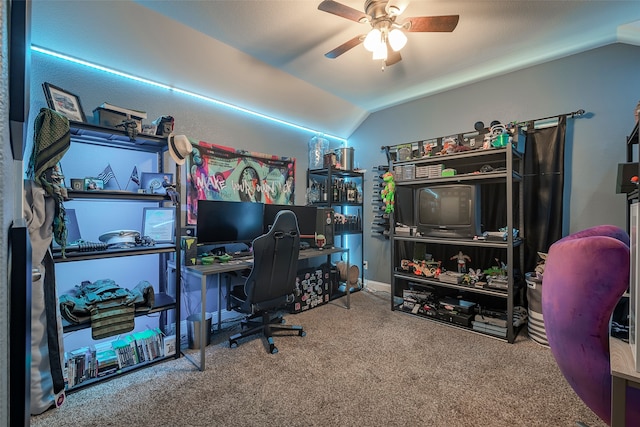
x,y
200,120
604,82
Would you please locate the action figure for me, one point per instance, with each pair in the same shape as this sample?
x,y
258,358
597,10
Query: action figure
x,y
388,193
170,189
462,261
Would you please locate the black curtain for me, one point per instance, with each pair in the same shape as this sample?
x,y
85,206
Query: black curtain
x,y
543,188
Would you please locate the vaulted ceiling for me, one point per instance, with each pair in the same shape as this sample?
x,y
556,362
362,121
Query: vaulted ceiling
x,y
268,56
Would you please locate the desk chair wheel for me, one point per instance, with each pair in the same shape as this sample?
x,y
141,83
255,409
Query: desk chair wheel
x,y
273,349
233,344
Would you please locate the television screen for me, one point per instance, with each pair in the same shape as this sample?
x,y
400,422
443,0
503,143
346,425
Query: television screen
x,y
449,210
229,222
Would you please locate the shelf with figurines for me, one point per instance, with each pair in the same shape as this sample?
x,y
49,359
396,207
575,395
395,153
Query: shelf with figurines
x,y
490,281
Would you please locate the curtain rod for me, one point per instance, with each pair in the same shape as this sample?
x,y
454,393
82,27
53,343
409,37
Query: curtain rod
x,y
573,114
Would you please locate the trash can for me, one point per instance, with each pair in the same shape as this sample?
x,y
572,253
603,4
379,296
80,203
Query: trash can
x,y
345,158
535,324
193,330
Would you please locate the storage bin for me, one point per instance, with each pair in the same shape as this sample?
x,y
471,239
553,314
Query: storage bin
x,y
111,119
535,324
397,173
408,172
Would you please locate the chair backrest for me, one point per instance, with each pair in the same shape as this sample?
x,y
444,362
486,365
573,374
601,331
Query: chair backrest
x,y
271,282
585,275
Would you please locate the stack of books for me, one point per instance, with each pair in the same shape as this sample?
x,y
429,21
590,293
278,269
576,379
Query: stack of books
x,y
495,323
106,359
110,357
80,365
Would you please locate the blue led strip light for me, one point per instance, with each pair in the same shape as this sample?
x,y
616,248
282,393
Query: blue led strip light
x,y
184,92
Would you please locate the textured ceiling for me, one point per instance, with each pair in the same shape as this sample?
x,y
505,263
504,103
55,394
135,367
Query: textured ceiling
x,y
268,56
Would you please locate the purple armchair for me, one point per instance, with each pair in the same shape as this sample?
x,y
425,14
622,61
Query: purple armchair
x,y
585,275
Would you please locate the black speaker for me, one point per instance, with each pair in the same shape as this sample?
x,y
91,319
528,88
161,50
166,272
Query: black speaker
x,y
324,225
625,172
189,247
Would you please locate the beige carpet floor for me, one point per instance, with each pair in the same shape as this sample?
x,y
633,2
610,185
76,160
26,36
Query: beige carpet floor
x,y
367,366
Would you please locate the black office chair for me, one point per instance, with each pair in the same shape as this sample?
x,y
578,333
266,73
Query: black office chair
x,y
271,284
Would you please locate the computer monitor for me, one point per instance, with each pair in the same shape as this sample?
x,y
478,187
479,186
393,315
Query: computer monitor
x,y
306,217
229,222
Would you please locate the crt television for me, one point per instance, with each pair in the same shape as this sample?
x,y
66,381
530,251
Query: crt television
x,y
222,221
448,211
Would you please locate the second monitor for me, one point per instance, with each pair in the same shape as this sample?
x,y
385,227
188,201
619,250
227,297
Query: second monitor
x,y
311,221
229,222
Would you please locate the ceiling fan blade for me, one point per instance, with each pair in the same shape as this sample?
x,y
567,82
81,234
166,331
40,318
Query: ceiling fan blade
x,y
446,23
393,57
345,47
342,10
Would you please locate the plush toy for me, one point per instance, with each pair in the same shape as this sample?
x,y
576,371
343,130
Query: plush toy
x,y
388,193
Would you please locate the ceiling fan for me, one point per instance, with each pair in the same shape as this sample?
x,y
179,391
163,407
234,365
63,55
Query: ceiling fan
x,y
387,34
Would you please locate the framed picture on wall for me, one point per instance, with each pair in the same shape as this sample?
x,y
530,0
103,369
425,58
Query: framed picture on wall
x,y
155,183
64,102
159,224
93,184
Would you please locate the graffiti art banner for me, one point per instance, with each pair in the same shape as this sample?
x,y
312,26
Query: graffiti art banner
x,y
215,172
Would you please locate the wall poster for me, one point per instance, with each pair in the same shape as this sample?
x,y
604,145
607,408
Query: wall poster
x,y
215,172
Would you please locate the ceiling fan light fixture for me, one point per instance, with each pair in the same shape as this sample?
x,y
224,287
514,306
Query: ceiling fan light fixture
x,y
388,33
373,40
397,39
380,52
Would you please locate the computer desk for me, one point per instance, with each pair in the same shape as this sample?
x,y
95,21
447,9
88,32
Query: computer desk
x,y
220,268
623,373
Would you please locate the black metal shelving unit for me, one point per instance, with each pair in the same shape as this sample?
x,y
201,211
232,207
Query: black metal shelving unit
x,y
327,177
507,172
165,300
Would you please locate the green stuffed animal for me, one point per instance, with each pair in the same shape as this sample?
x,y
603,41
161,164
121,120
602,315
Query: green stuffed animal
x,y
389,192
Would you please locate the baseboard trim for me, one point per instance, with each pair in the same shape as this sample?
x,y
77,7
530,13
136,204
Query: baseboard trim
x,y
374,286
